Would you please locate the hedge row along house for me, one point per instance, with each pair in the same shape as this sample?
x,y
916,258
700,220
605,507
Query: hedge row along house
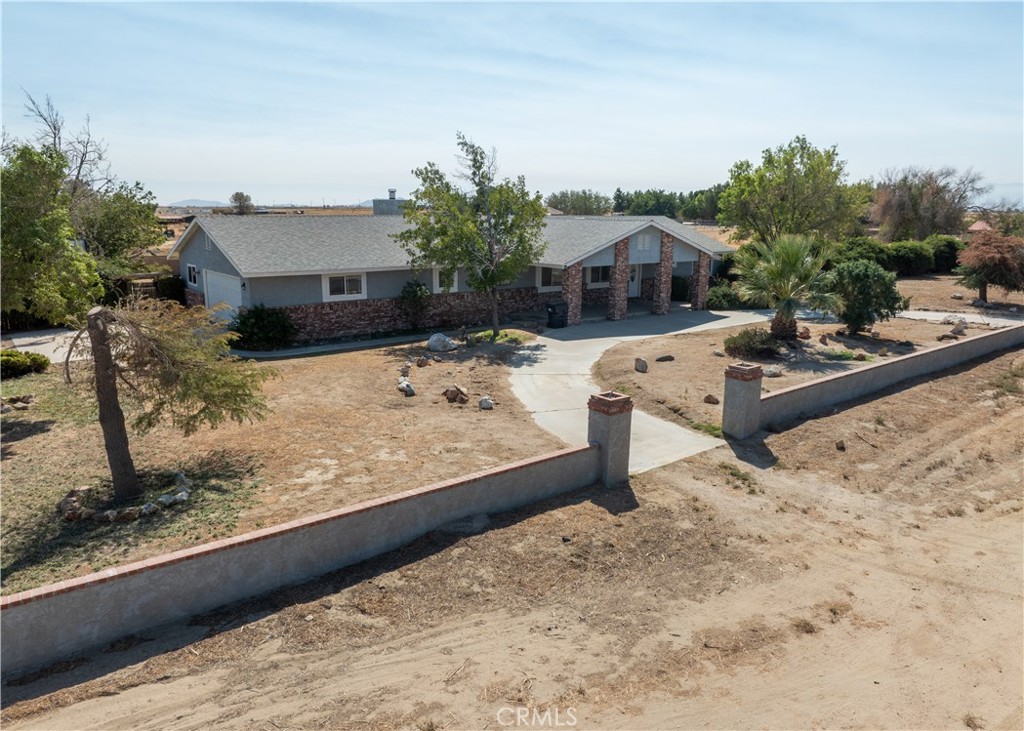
x,y
339,276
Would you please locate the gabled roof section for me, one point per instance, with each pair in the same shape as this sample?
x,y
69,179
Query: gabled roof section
x,y
574,238
296,244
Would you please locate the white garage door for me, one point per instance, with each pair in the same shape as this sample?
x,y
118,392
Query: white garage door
x,y
223,288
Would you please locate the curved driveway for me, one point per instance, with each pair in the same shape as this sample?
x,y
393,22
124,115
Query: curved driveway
x,y
551,377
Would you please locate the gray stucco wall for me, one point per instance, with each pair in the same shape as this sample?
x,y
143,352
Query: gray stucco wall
x,y
43,625
196,253
789,403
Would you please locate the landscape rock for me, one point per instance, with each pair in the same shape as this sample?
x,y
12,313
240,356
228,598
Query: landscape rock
x,y
437,359
665,358
876,334
456,394
860,356
711,399
979,303
406,388
640,365
127,515
422,361
19,406
948,336
804,334
105,516
181,497
181,481
486,403
718,353
166,500
6,409
404,370
956,296
841,445
149,509
441,343
823,339
772,372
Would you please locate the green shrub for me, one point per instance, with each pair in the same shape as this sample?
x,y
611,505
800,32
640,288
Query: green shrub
x,y
754,342
263,328
864,248
680,289
17,363
910,258
414,302
868,293
723,297
945,250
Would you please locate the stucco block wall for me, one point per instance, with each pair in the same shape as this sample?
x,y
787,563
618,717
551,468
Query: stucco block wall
x,y
46,624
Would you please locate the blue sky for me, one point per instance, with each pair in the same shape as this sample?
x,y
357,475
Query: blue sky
x,y
337,102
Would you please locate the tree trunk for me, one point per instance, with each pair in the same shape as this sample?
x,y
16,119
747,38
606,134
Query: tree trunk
x,y
983,291
115,434
495,324
784,328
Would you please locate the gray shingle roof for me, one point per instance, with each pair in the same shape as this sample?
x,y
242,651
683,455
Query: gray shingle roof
x,y
265,245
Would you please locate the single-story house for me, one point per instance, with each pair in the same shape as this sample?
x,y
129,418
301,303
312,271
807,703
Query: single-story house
x,y
342,275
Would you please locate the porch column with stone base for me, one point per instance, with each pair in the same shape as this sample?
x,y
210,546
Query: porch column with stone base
x,y
610,424
699,282
741,405
663,276
618,284
572,292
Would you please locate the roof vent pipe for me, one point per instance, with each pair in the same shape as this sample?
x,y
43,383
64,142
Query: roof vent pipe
x,y
391,193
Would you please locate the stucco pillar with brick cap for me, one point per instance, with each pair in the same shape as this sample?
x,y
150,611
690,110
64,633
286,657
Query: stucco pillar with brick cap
x,y
618,283
741,406
699,283
610,425
572,292
663,276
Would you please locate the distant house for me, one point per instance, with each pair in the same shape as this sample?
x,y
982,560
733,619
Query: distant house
x,y
976,228
340,276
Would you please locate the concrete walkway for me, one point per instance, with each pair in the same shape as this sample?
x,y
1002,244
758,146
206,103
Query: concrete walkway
x,y
551,377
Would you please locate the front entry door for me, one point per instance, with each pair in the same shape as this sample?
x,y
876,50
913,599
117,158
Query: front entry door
x,y
634,280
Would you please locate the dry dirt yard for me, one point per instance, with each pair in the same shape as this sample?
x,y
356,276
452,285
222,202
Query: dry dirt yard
x,y
338,432
766,584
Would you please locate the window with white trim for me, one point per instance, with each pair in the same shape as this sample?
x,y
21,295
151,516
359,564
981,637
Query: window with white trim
x,y
549,278
645,242
599,276
338,287
192,272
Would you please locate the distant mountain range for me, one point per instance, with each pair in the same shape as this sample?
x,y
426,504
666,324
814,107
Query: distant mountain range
x,y
196,203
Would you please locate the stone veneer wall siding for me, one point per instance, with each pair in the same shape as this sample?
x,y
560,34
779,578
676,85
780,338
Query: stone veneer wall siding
x,y
325,320
194,299
572,292
662,294
595,295
699,282
618,297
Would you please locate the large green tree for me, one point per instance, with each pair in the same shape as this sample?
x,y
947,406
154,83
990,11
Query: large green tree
x,y
120,224
914,203
797,189
493,230
242,203
44,272
584,202
992,259
166,363
785,275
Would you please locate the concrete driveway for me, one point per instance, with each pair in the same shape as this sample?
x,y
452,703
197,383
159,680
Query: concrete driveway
x,y
551,377
52,343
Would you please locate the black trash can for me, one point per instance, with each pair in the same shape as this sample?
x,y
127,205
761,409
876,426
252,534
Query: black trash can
x,y
558,313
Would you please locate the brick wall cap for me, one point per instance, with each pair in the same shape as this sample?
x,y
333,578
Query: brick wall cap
x,y
610,403
743,371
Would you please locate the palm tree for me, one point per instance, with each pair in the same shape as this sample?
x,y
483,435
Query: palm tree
x,y
785,274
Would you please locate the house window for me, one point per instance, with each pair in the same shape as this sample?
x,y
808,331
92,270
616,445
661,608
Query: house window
x,y
550,278
344,287
192,272
600,275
